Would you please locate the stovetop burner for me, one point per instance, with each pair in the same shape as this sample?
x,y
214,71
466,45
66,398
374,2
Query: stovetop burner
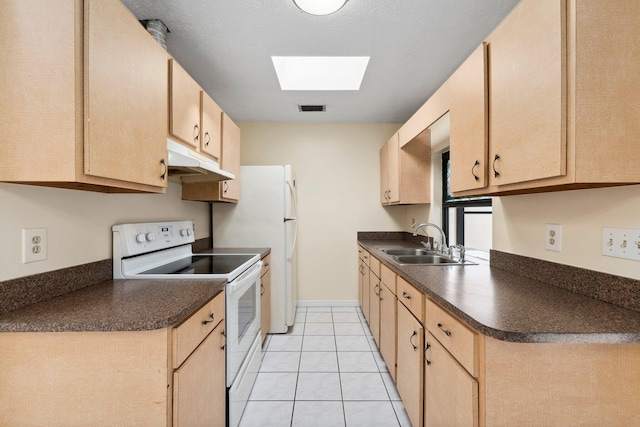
x,y
202,264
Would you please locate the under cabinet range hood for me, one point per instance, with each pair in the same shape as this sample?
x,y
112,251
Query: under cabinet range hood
x,y
189,166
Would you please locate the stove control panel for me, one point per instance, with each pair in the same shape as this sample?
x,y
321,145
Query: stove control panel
x,y
137,239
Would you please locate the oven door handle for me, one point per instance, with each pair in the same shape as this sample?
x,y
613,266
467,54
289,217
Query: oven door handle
x,y
248,276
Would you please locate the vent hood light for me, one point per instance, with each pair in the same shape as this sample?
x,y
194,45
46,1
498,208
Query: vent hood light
x,y
189,166
320,72
320,7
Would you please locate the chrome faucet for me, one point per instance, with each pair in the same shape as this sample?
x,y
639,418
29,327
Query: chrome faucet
x,y
416,227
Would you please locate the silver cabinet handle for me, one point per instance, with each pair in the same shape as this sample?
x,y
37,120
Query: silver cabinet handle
x,y
406,295
411,340
446,331
211,317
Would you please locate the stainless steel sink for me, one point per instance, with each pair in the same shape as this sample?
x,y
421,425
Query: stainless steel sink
x,y
406,251
424,259
418,256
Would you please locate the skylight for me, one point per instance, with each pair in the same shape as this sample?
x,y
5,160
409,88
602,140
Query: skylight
x,y
320,72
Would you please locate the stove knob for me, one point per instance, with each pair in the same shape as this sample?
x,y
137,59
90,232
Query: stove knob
x,y
184,232
150,237
141,238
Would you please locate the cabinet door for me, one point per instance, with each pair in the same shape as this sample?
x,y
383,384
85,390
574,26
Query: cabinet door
x,y
469,137
265,303
184,105
211,127
384,174
125,97
361,268
365,293
199,387
393,170
410,368
374,307
230,190
451,394
528,93
388,326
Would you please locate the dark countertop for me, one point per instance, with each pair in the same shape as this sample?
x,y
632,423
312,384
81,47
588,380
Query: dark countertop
x,y
509,307
120,305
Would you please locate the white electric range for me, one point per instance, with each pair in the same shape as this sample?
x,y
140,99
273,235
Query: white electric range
x,y
163,250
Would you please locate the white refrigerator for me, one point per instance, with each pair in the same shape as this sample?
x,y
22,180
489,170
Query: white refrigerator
x,y
266,216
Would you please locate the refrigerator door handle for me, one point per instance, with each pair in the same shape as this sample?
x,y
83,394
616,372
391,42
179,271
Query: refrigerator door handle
x,y
294,207
289,219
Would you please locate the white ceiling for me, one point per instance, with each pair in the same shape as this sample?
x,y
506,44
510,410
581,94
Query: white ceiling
x,y
414,45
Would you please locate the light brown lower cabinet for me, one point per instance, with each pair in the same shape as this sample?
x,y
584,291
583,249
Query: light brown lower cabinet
x,y
198,390
388,326
374,307
365,292
409,379
172,376
451,394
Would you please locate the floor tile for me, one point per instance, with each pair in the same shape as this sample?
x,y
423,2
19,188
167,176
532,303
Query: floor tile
x,y
319,317
267,414
318,414
363,386
352,343
300,317
318,343
391,386
357,361
346,317
370,414
274,386
285,343
348,329
319,309
343,309
297,329
318,386
280,361
401,413
318,328
316,361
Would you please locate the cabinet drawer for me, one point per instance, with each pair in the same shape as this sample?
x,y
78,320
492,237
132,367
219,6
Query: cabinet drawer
x,y
374,265
365,256
461,341
412,298
266,265
192,331
388,277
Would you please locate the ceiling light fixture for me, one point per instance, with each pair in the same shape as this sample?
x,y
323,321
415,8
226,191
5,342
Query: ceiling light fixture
x,y
320,7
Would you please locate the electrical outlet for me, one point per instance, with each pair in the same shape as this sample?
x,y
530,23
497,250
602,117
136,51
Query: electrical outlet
x,y
621,243
553,238
34,244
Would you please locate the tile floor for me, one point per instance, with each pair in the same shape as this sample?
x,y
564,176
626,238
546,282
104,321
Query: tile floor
x,y
327,372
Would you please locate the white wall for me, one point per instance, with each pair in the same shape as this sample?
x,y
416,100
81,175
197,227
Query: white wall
x,y
79,222
519,225
338,178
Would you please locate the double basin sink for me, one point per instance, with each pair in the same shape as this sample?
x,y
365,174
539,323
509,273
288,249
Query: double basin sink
x,y
409,256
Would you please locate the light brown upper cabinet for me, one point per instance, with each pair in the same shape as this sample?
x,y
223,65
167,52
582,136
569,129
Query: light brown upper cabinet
x,y
562,101
184,105
84,98
405,170
211,126
220,191
468,118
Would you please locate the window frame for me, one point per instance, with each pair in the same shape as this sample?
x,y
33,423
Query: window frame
x,y
457,203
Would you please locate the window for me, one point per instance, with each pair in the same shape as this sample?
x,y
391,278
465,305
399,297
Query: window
x,y
465,220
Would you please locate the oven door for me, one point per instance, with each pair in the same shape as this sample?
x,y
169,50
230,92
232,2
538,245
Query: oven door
x,y
243,317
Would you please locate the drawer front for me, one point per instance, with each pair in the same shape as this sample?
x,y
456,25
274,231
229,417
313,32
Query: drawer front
x,y
374,266
388,277
461,341
190,333
266,265
366,256
412,298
